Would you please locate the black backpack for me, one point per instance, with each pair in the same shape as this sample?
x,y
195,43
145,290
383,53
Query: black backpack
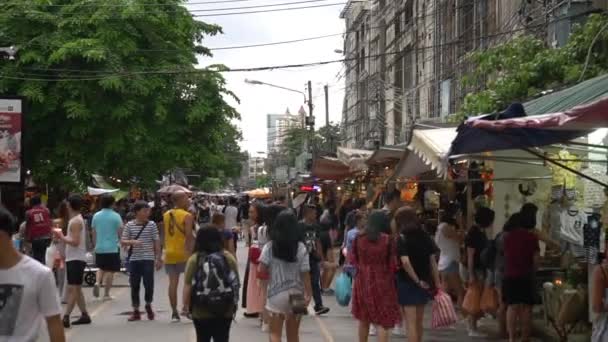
x,y
215,286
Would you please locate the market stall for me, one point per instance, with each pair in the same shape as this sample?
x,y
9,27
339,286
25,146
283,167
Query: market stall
x,y
548,144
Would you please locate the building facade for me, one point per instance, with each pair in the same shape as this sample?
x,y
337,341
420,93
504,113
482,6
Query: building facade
x,y
405,59
256,168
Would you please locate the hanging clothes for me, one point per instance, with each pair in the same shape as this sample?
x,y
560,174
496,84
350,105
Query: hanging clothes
x,y
572,222
592,232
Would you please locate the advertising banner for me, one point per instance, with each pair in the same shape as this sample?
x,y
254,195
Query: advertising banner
x,y
10,140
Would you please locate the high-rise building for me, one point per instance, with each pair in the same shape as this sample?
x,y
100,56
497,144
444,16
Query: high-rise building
x,y
278,125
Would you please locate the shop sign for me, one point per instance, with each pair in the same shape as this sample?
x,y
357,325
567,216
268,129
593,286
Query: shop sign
x,y
11,111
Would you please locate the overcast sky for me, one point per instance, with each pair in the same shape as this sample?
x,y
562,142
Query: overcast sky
x,y
257,101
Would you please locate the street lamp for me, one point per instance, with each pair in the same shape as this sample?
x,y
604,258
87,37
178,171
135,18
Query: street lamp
x,y
256,82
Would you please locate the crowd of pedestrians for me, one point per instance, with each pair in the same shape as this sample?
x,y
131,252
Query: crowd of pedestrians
x,y
395,265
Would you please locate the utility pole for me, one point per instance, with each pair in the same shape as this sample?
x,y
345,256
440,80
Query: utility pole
x,y
310,122
326,105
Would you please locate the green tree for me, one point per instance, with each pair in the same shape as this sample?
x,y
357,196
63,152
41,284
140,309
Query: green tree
x,y
525,66
263,181
328,138
112,88
211,184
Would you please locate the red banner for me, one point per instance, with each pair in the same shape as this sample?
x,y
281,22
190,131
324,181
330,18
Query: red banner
x,y
10,140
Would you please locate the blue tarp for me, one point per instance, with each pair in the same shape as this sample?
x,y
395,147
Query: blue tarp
x,y
475,140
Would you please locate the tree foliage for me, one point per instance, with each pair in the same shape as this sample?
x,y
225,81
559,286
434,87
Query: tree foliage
x,y
325,141
111,88
524,67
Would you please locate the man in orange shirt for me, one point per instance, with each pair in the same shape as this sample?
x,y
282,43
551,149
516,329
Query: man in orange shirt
x,y
178,245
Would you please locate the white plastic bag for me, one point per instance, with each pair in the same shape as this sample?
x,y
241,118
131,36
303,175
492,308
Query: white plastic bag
x,y
51,254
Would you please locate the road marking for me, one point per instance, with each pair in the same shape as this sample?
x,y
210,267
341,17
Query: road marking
x,y
97,310
324,330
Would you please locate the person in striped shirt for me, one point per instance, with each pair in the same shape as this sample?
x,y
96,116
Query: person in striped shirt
x,y
141,238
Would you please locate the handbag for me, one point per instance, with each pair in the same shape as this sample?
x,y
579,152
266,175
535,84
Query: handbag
x,y
254,254
297,302
443,313
489,300
472,300
344,289
130,251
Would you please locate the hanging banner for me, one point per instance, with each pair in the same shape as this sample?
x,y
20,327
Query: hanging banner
x,y
11,111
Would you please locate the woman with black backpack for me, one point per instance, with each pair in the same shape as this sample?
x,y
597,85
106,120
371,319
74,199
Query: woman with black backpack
x,y
212,287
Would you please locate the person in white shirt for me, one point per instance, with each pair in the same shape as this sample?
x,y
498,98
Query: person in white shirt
x,y
449,239
75,257
28,295
231,214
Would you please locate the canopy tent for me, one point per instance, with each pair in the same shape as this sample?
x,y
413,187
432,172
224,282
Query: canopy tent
x,y
431,147
330,169
385,155
575,112
259,193
97,191
354,158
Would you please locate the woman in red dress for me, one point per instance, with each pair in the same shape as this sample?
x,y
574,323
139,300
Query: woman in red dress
x,y
374,291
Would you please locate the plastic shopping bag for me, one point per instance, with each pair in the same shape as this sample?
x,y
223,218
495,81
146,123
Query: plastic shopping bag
x,y
51,253
443,313
472,300
489,300
344,289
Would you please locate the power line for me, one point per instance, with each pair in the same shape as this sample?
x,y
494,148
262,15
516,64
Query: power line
x,y
194,16
29,4
111,73
181,9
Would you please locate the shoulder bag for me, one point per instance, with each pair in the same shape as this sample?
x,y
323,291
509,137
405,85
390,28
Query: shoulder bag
x,y
130,251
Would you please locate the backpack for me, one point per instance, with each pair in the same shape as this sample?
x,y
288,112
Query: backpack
x,y
215,286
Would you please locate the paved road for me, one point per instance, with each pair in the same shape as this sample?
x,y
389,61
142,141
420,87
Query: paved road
x,y
110,322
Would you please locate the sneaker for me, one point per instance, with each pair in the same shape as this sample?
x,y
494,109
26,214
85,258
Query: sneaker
x,y
265,328
150,312
66,322
175,317
372,330
328,292
96,290
107,298
477,334
135,316
84,319
399,332
321,310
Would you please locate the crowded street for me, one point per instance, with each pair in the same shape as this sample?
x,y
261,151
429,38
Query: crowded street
x,y
303,170
111,321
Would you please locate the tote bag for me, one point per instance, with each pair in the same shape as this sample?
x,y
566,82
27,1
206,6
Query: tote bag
x,y
443,314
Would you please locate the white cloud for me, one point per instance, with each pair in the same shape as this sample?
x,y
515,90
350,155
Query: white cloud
x,y
257,101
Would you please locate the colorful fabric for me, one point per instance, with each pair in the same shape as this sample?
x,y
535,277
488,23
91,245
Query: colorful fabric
x,y
374,291
443,312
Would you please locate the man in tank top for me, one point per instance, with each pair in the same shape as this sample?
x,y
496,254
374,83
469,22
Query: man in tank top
x,y
75,257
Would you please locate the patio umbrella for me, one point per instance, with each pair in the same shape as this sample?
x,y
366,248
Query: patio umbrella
x,y
172,189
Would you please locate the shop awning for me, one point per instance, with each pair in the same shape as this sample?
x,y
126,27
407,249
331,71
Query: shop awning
x,y
330,169
520,131
386,155
410,165
354,158
573,112
431,146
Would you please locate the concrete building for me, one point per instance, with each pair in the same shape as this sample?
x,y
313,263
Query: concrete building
x,y
278,125
405,59
256,168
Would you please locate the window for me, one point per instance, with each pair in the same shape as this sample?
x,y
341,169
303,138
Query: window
x,y
397,25
408,13
251,170
362,60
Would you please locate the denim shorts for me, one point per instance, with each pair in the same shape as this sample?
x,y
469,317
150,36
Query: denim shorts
x,y
453,268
